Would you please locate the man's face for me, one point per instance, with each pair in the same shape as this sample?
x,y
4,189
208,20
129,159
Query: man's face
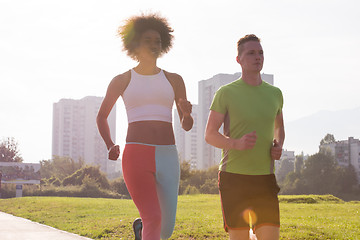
x,y
251,58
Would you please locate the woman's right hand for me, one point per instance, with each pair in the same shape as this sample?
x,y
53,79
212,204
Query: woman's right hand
x,y
114,152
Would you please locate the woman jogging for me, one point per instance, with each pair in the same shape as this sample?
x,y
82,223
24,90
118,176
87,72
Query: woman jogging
x,y
150,160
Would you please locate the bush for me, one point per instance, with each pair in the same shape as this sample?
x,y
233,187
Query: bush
x,y
310,199
210,187
56,182
89,189
191,190
92,172
205,181
118,185
74,179
53,181
8,190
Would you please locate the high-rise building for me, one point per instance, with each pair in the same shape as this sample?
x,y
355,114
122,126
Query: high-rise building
x,y
207,155
289,157
187,142
75,132
345,152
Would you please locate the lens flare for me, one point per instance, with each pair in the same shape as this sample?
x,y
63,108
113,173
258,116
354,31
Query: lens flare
x,y
249,217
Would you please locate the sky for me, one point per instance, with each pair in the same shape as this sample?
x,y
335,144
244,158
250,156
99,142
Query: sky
x,y
51,50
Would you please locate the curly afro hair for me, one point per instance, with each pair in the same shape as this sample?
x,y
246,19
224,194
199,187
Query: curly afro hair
x,y
134,27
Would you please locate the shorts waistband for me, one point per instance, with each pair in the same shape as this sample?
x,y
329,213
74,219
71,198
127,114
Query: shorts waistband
x,y
245,177
154,145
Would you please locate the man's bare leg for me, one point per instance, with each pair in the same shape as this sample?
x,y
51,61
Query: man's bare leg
x,y
267,233
239,234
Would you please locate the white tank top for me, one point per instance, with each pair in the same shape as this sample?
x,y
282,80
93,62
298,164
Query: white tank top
x,y
149,97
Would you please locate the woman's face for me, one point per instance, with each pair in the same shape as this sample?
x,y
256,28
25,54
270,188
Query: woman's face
x,y
149,45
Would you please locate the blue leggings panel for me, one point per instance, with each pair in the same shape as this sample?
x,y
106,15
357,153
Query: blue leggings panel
x,y
152,175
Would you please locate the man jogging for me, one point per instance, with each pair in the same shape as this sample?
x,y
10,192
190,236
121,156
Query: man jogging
x,y
251,111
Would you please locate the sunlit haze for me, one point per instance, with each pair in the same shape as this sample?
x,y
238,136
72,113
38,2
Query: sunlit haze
x,y
69,49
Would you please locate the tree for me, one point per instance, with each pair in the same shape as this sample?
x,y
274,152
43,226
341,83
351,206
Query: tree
x,y
329,138
185,171
204,180
9,151
210,186
59,167
347,178
299,162
319,174
286,166
294,184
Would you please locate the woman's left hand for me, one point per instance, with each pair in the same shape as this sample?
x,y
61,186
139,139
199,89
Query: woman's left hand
x,y
185,107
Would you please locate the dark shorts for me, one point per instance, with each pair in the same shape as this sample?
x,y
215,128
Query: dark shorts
x,y
244,195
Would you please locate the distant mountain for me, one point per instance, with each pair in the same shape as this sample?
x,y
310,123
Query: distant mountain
x,y
306,133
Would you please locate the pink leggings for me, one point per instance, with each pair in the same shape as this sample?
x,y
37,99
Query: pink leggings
x,y
152,175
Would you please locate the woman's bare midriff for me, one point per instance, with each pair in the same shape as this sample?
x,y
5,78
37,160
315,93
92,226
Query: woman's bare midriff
x,y
151,132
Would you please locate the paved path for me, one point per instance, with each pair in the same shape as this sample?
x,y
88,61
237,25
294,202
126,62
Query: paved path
x,y
16,228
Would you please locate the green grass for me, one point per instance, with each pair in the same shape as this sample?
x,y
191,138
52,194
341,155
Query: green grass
x,y
198,217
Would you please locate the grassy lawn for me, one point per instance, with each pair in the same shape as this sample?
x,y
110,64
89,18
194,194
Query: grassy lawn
x,y
198,217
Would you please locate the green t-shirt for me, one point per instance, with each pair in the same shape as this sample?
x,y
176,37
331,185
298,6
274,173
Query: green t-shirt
x,y
248,108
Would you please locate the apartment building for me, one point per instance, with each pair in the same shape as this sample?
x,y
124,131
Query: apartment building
x,y
75,132
187,142
346,152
